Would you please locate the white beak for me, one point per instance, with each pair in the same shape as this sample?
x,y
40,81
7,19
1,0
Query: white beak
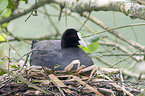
x,y
81,41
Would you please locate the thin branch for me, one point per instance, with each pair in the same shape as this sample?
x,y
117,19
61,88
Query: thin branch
x,y
120,36
103,61
128,8
141,2
125,71
88,81
129,73
11,45
124,26
52,37
118,86
84,22
121,54
120,48
51,21
12,35
23,12
123,59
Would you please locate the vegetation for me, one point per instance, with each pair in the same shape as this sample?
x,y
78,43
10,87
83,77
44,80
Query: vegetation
x,y
117,53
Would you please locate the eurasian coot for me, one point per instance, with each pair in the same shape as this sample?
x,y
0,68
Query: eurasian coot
x,y
51,53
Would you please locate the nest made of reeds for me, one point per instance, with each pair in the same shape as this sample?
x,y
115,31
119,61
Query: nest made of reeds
x,y
84,81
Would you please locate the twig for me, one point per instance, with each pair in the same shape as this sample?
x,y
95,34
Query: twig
x,y
50,37
74,15
24,12
121,54
122,80
12,35
109,29
88,81
129,73
122,37
139,77
6,82
29,16
117,82
27,56
119,47
123,59
135,34
61,8
22,79
141,2
103,61
119,87
10,45
88,86
52,23
85,22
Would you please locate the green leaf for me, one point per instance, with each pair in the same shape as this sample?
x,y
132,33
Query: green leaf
x,y
1,63
4,25
22,0
1,12
11,5
3,4
6,6
14,66
7,13
2,38
2,72
91,47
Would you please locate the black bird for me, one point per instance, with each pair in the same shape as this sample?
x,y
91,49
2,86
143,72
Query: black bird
x,y
50,53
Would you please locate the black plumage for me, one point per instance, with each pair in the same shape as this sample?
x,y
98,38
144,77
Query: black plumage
x,y
51,53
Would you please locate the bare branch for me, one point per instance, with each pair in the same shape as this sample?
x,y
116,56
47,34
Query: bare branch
x,y
113,32
24,12
120,48
133,10
121,54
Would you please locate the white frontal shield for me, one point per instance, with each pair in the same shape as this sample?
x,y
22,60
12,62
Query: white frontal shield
x,y
81,41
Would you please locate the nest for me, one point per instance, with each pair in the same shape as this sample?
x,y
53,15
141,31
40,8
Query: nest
x,y
84,81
